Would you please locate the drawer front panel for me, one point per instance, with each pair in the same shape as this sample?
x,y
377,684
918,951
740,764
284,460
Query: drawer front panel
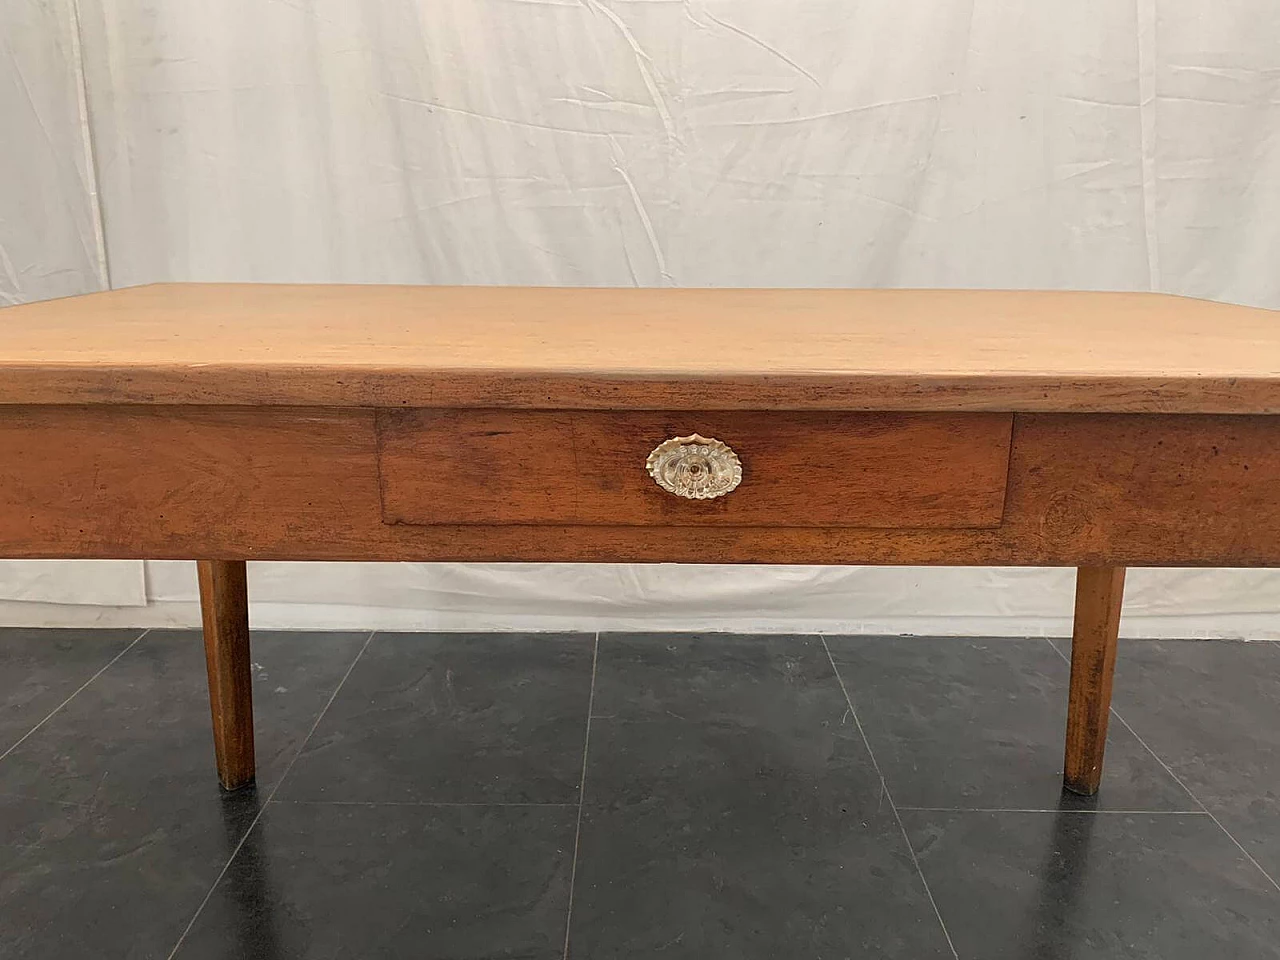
x,y
873,470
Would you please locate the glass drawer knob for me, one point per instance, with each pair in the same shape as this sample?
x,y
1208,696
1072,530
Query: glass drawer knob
x,y
695,467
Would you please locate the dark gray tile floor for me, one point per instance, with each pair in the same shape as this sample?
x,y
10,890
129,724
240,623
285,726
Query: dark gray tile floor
x,y
423,795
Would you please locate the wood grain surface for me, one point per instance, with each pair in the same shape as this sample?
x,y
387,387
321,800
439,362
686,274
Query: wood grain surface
x,y
1094,635
371,346
236,483
893,470
224,606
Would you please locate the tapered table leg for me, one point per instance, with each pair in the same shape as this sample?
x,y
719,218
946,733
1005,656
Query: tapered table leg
x,y
1099,593
224,605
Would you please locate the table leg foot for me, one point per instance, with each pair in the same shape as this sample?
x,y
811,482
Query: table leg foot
x,y
224,605
1099,594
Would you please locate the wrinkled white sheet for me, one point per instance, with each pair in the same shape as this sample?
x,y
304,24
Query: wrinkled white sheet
x,y
678,142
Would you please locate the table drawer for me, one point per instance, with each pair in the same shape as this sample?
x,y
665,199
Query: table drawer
x,y
880,470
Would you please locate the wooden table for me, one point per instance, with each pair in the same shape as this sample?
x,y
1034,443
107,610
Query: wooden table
x,y
234,422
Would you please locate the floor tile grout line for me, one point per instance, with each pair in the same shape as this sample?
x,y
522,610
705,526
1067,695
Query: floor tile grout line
x,y
419,803
884,788
582,793
57,803
1230,836
49,716
1058,810
265,803
1178,780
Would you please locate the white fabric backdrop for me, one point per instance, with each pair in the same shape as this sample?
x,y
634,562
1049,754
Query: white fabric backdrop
x,y
679,142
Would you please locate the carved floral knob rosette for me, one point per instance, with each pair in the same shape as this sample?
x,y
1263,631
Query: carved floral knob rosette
x,y
695,467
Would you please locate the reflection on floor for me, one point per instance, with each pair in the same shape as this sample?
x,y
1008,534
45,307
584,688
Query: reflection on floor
x,y
641,795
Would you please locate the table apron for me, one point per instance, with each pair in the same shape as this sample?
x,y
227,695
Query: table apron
x,y
160,482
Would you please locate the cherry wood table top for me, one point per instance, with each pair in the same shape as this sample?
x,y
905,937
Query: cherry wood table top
x,y
542,347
